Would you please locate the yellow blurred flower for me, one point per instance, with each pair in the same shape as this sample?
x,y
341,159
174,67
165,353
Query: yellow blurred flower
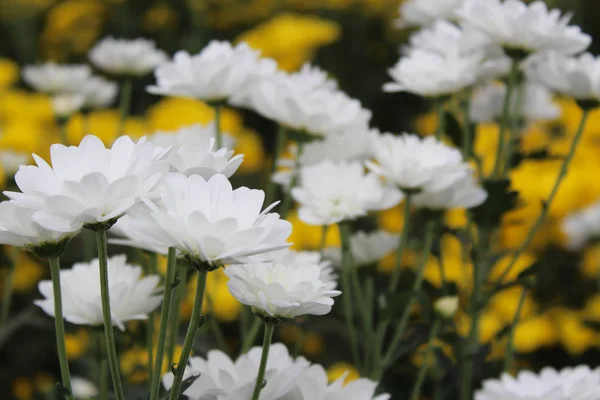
x,y
392,220
524,261
44,382
22,389
134,364
534,333
426,124
249,143
77,344
104,124
217,298
308,237
504,305
9,73
591,261
291,39
339,369
313,345
27,273
489,325
457,266
160,17
485,145
591,310
21,105
574,336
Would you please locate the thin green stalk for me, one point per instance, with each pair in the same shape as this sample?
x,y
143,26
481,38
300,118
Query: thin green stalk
x,y
62,126
164,320
416,392
124,104
443,279
258,385
347,295
514,129
190,336
466,126
99,363
174,312
324,230
103,387
510,350
59,325
251,336
215,328
279,145
512,79
152,270
109,335
403,243
218,133
441,117
286,204
7,294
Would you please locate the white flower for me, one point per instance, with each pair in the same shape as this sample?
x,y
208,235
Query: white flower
x,y
83,389
218,72
219,378
366,248
17,228
582,226
426,12
56,79
126,57
11,160
577,77
65,105
464,193
447,306
211,223
413,163
138,230
98,92
534,102
524,27
330,192
131,296
88,184
196,134
311,77
281,290
430,74
579,383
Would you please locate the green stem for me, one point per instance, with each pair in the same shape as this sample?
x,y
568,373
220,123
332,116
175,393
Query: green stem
x,y
443,278
216,329
514,129
258,385
103,385
124,104
416,393
514,71
279,145
174,313
164,319
510,350
466,126
401,245
62,125
8,292
152,269
347,295
441,117
218,133
109,335
324,230
190,336
59,325
286,204
100,370
251,336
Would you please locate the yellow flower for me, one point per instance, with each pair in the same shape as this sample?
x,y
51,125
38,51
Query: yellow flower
x,y
20,105
574,336
426,124
392,220
308,237
457,266
534,333
456,218
22,389
592,308
9,73
104,124
160,17
44,382
134,364
27,273
524,261
339,369
290,333
291,39
485,145
77,344
505,303
313,345
489,325
249,143
219,300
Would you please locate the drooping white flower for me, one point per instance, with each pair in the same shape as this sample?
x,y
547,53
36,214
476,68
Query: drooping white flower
x,y
83,389
527,28
55,78
215,74
464,193
195,134
132,297
366,248
417,164
135,57
98,92
330,192
582,226
281,290
430,74
209,222
530,101
67,104
426,12
11,160
220,378
578,383
88,184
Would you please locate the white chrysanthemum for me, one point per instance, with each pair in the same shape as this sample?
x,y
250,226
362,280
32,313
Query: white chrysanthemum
x,y
55,78
212,223
426,12
67,104
137,229
579,383
524,27
218,72
83,389
195,134
582,226
131,296
330,192
530,101
219,378
430,74
414,163
98,92
281,290
464,193
126,57
577,77
88,184
11,160
366,248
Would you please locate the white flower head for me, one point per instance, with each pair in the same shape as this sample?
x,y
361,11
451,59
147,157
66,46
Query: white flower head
x,y
67,104
220,378
11,160
55,78
579,383
83,389
98,92
88,184
138,230
135,57
526,28
417,164
426,12
582,226
464,193
366,248
195,134
281,290
330,192
215,74
211,223
132,297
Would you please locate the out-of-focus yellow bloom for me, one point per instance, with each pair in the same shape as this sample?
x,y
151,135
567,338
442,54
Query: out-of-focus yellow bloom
x,y
290,333
457,266
291,39
592,308
44,382
524,261
489,325
160,17
339,369
22,389
533,333
26,136
104,124
217,298
313,345
456,218
591,261
134,364
21,105
308,237
223,14
485,145
392,220
249,143
11,10
574,336
388,263
426,124
27,273
505,304
9,73
418,356
77,344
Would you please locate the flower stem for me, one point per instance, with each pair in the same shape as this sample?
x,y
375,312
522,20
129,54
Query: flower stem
x,y
515,129
218,133
59,325
152,268
504,124
286,204
324,230
279,145
510,350
190,336
215,327
258,385
401,245
416,392
251,336
124,104
347,295
441,118
109,335
100,366
466,126
164,319
174,312
62,126
8,289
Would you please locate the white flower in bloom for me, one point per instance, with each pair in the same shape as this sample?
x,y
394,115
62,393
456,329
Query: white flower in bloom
x,y
131,296
219,378
579,383
330,192
535,101
12,160
414,163
218,72
577,77
366,248
426,12
88,184
524,27
138,230
582,226
67,104
126,57
281,290
83,389
464,193
98,92
196,134
55,78
311,77
210,222
430,74
17,228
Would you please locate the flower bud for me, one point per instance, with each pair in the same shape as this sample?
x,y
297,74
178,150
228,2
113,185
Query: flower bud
x,y
446,306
